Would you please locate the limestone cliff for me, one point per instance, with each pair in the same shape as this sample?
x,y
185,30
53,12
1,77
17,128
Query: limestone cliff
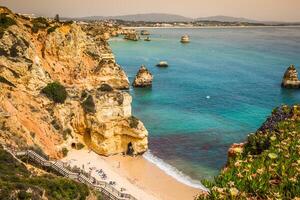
x,y
290,78
36,52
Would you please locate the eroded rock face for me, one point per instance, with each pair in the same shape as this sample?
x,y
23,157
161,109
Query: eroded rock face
x,y
290,78
143,78
132,36
30,59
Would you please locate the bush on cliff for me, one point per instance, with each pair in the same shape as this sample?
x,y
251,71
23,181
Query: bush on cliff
x,y
89,105
5,22
39,23
56,92
133,122
267,166
105,88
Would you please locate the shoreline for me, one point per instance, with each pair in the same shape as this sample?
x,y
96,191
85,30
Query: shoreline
x,y
140,177
207,27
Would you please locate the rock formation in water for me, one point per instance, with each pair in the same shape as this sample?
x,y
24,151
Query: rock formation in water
x,y
132,35
40,61
143,78
290,78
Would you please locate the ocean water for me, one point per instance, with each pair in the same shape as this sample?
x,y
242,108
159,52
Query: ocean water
x,y
216,90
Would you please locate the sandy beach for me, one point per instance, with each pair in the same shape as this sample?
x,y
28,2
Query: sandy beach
x,y
138,176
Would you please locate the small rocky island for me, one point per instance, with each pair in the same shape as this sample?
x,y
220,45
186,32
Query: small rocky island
x,y
145,32
290,78
143,78
185,39
133,36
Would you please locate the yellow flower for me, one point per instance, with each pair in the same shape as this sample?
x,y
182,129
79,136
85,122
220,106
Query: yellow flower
x,y
260,171
233,191
272,155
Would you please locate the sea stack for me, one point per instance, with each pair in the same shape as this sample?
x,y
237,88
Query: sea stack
x,y
143,78
185,39
133,36
290,78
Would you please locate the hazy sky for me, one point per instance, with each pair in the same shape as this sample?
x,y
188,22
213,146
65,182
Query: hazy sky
x,y
276,10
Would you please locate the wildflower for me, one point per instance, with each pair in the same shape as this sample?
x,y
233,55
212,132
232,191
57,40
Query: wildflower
x,y
273,138
253,175
231,183
233,191
272,155
293,179
237,163
240,175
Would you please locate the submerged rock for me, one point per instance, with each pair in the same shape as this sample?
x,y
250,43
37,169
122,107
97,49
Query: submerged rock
x,y
143,78
290,78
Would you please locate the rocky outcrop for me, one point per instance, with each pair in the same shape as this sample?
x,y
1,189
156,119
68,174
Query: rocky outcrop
x,y
290,78
112,128
133,36
36,52
143,78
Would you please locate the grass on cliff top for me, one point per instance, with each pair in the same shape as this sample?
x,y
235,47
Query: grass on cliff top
x,y
268,166
16,182
56,92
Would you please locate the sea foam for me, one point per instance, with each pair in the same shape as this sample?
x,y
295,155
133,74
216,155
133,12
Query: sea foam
x,y
172,171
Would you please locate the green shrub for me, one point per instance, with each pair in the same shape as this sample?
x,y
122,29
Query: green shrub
x,y
79,146
133,122
39,23
67,132
64,151
56,92
89,105
6,21
51,29
105,88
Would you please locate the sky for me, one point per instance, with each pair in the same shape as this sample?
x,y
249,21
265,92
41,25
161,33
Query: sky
x,y
265,10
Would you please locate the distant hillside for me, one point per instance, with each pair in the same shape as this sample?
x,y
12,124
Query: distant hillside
x,y
163,17
151,17
226,19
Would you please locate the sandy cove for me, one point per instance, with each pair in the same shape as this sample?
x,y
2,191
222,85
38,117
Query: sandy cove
x,y
139,177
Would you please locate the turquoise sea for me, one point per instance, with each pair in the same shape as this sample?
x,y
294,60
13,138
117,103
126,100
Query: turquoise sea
x,y
217,90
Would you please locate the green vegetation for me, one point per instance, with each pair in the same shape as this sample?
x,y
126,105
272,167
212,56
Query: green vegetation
x,y
267,166
51,29
64,151
89,105
105,88
5,22
133,122
56,92
67,132
79,146
16,182
39,23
